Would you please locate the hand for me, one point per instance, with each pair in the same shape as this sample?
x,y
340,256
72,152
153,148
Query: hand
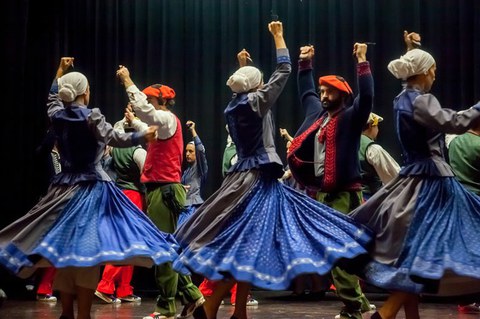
x,y
122,73
65,64
151,133
307,52
276,28
129,115
284,134
412,40
360,51
190,125
243,57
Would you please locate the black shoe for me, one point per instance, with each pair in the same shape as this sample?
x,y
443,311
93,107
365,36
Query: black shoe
x,y
199,313
189,308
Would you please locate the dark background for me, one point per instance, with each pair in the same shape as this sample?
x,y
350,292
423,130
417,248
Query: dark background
x,y
191,45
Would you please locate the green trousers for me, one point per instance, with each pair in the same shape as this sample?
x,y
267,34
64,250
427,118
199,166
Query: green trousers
x,y
162,204
347,286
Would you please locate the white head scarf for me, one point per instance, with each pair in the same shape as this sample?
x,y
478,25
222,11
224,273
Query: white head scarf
x,y
414,62
245,79
72,85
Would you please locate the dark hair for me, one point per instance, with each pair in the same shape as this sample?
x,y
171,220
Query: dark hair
x,y
169,103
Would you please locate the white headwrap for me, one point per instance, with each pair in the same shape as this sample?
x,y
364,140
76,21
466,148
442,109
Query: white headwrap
x,y
72,85
414,62
245,79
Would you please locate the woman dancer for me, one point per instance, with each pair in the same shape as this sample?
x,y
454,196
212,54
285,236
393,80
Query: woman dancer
x,y
426,222
84,220
255,230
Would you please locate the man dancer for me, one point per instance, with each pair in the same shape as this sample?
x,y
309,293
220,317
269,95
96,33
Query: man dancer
x,y
323,156
166,195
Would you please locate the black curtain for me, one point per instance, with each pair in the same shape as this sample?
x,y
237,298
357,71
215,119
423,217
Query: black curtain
x,y
191,45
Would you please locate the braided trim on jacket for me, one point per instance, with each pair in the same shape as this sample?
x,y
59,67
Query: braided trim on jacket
x,y
298,140
330,168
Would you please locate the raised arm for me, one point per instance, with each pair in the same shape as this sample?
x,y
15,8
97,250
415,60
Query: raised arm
x,y
268,94
307,89
145,110
54,104
363,103
276,29
200,154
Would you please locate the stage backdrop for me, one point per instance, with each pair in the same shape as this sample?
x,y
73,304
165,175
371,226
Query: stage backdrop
x,y
191,45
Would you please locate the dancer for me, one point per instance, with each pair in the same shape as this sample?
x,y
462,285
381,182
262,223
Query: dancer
x,y
254,230
423,244
377,166
195,175
166,196
84,220
323,156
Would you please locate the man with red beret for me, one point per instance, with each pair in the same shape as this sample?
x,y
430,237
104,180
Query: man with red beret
x,y
166,196
323,156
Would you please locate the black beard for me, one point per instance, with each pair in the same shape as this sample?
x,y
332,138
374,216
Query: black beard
x,y
332,105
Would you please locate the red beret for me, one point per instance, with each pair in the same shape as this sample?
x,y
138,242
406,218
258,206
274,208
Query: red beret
x,y
337,82
167,92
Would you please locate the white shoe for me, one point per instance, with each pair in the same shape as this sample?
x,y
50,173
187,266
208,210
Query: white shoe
x,y
130,298
46,298
251,302
107,298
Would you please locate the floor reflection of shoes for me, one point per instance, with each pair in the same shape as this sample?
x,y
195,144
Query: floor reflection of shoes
x,y
470,308
251,302
158,315
190,307
371,307
46,298
130,298
348,315
3,297
107,298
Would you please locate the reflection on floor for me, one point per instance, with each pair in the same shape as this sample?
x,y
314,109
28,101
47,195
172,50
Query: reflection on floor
x,y
272,305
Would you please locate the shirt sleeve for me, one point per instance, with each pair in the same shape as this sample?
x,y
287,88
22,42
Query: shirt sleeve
x,y
385,166
428,112
263,99
104,132
201,158
139,156
54,103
